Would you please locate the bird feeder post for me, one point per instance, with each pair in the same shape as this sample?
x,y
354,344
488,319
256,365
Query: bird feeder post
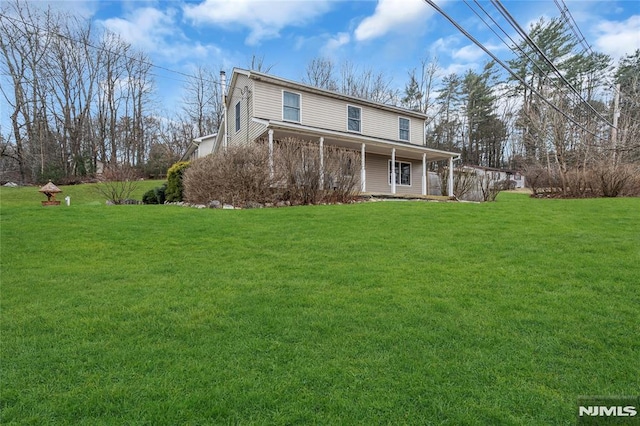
x,y
50,190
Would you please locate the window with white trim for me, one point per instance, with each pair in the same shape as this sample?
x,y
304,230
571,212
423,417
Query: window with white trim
x,y
403,126
290,106
238,116
354,119
403,173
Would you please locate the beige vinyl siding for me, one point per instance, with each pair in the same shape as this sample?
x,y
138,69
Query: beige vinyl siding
x,y
378,175
246,106
256,129
267,101
330,113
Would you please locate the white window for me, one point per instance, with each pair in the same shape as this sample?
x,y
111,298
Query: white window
x,y
403,173
354,119
403,125
238,116
290,106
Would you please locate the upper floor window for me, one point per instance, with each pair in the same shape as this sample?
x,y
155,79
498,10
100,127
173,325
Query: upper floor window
x,y
290,106
403,125
354,119
238,117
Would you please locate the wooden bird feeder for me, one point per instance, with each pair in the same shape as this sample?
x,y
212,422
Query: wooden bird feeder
x,y
50,190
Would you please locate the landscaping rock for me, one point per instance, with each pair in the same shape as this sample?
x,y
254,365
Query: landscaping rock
x,y
227,207
253,205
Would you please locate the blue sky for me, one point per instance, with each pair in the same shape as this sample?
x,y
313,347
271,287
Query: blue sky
x,y
389,36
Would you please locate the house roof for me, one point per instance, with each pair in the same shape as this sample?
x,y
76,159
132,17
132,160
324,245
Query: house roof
x,y
373,144
194,145
490,169
255,75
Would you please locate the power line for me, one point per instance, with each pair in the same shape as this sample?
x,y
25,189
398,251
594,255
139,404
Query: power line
x,y
507,68
503,10
514,44
568,17
109,51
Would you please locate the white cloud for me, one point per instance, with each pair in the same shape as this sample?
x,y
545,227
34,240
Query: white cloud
x,y
335,43
445,45
457,68
156,32
470,52
145,27
393,16
265,19
618,38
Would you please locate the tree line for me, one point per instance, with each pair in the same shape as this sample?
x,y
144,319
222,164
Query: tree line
x,y
82,98
555,114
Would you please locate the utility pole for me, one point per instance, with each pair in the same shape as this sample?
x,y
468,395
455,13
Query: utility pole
x,y
614,129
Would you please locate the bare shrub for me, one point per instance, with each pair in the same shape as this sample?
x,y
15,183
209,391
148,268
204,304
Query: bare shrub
x,y
601,178
464,182
632,187
577,183
542,180
118,183
236,176
489,188
610,180
299,165
308,180
341,175
243,175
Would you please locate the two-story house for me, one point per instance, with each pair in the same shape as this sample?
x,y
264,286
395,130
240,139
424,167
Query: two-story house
x,y
390,139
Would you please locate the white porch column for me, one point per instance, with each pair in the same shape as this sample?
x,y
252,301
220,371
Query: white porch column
x,y
424,173
450,177
393,171
363,171
321,162
271,153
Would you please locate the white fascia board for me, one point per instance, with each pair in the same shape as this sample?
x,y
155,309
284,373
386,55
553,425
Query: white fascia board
x,y
356,137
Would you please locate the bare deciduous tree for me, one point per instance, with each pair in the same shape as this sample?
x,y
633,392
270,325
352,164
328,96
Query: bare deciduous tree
x,y
118,183
202,101
319,73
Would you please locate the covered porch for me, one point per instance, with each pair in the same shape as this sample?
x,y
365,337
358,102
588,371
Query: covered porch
x,y
387,167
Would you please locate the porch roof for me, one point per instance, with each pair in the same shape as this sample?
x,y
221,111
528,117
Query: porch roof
x,y
354,141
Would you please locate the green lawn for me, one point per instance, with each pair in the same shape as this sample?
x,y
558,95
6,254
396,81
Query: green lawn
x,y
374,313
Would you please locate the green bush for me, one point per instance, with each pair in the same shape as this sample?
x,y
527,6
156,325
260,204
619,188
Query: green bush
x,y
174,181
149,197
160,193
155,195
